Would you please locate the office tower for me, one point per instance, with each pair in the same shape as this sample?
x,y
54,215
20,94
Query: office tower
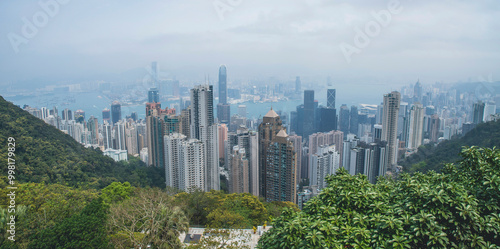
x,y
248,142
66,114
466,127
203,128
141,135
239,180
134,116
131,141
430,110
223,113
281,169
489,109
222,139
93,128
308,121
375,160
222,85
107,136
478,112
186,122
390,126
298,126
330,98
298,84
153,96
418,92
297,146
268,129
377,133
116,112
106,115
325,161
174,167
79,116
416,126
380,114
317,140
328,119
242,110
344,116
119,136
154,74
353,122
156,128
184,162
434,128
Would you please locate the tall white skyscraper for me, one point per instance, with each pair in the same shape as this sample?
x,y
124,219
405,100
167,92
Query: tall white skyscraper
x,y
390,126
416,126
325,161
203,128
184,162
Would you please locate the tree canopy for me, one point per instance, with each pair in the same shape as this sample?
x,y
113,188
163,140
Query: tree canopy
x,y
457,208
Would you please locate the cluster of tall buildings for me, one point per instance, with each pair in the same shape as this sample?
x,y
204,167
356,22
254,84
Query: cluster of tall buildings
x,y
281,156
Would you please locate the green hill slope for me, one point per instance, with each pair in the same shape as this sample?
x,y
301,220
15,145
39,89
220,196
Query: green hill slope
x,y
430,157
45,154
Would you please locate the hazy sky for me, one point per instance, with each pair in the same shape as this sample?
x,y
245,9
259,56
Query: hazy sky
x,y
434,41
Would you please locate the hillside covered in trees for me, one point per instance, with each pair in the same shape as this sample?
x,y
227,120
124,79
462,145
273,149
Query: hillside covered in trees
x,y
432,157
45,154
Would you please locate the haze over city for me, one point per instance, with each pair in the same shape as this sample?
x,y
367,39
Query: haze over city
x,y
78,41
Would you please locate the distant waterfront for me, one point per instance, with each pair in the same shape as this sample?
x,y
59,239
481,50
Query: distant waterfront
x,y
94,102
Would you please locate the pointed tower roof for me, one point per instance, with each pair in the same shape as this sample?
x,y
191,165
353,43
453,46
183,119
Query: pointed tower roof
x,y
271,114
282,133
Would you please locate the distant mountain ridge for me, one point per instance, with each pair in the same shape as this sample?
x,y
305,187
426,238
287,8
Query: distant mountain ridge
x,y
45,154
430,157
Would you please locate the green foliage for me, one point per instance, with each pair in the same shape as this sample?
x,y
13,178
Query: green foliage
x,y
116,192
431,157
45,154
84,230
149,217
238,211
46,205
456,209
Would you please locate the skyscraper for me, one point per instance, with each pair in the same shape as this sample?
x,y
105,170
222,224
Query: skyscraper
x,y
281,169
204,129
478,112
330,98
153,96
106,115
184,162
116,112
325,161
270,126
390,126
416,126
224,113
298,84
222,84
247,152
308,121
434,128
354,122
344,116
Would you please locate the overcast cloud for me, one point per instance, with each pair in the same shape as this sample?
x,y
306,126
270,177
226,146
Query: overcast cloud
x,y
432,40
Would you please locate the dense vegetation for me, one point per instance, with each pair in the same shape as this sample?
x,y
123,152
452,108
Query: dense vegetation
x,y
431,157
45,154
458,208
